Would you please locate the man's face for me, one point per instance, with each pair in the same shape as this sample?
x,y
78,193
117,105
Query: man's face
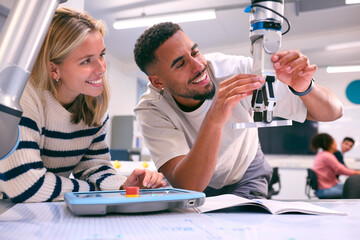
x,y
182,70
346,146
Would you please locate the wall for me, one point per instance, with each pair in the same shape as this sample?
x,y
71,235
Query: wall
x,y
2,21
122,89
78,4
349,124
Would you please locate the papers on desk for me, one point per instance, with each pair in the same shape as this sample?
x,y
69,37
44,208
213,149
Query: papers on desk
x,y
54,221
272,206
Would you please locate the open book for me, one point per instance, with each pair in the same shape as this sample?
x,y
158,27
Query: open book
x,y
272,206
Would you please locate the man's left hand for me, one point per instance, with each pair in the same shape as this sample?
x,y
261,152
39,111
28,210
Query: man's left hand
x,y
293,69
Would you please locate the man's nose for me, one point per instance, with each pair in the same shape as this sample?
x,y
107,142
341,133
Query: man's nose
x,y
197,65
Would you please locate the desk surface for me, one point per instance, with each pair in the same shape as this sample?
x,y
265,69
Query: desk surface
x,y
55,221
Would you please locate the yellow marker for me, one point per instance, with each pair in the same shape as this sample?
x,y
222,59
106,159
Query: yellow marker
x,y
145,164
116,164
132,195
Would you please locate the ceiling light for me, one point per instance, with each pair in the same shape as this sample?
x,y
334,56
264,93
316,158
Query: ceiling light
x,y
147,21
342,69
352,1
343,46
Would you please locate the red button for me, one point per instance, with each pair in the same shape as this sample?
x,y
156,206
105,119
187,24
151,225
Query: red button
x,y
132,191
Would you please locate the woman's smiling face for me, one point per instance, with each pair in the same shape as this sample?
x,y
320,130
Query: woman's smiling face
x,y
82,71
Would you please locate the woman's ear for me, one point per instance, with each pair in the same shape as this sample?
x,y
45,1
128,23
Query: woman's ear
x,y
156,82
54,71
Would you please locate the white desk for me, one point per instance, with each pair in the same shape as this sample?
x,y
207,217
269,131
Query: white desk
x,y
55,221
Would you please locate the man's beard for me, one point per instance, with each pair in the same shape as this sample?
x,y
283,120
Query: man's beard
x,y
209,94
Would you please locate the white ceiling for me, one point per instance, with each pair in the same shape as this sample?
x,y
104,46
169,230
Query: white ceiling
x,y
315,24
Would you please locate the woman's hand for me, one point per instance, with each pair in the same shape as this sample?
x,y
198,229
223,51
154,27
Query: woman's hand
x,y
144,178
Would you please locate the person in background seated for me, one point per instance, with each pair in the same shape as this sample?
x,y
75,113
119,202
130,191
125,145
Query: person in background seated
x,y
346,145
327,167
65,119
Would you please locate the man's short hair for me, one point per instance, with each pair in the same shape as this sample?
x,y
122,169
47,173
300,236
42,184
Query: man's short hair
x,y
349,139
150,41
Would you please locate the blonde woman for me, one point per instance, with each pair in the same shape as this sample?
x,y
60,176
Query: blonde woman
x,y
65,119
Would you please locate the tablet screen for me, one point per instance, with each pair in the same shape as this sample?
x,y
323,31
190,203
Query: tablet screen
x,y
142,193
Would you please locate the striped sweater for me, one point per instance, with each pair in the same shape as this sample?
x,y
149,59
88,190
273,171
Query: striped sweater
x,y
55,156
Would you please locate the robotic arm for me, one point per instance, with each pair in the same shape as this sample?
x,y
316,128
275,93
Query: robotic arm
x,y
20,42
265,36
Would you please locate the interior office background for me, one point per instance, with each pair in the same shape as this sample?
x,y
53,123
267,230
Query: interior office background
x,y
327,31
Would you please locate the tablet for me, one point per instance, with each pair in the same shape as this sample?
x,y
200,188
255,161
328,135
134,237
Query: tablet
x,y
147,200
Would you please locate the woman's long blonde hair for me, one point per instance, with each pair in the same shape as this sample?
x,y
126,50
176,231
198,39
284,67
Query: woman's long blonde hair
x,y
67,31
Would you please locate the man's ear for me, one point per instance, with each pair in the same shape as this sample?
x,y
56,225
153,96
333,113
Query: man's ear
x,y
54,71
156,82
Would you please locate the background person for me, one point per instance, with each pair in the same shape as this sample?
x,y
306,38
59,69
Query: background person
x,y
346,145
65,119
327,167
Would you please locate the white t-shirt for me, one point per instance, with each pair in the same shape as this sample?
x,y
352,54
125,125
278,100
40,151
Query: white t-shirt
x,y
169,132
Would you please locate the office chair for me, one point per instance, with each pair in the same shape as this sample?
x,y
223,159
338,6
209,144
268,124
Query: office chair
x,y
275,179
352,187
311,183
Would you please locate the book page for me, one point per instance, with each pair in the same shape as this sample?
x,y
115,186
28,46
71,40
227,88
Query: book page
x,y
273,206
278,207
224,201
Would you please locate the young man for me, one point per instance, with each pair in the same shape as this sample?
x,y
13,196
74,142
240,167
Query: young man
x,y
187,112
346,145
